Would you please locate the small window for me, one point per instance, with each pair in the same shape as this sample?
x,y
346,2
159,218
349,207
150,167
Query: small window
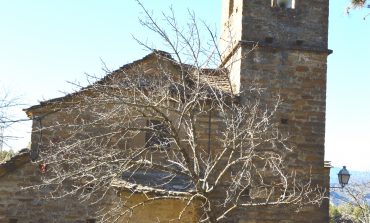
x,y
289,4
284,121
13,220
157,135
231,7
90,220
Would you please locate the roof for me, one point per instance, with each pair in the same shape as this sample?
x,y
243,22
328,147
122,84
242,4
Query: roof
x,y
18,160
138,188
156,182
217,78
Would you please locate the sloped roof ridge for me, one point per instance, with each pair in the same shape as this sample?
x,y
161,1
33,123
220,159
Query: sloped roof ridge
x,y
16,161
162,54
159,53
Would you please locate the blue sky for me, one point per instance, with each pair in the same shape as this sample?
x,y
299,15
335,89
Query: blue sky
x,y
44,44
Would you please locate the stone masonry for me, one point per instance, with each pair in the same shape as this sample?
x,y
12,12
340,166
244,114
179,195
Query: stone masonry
x,y
281,50
20,205
284,51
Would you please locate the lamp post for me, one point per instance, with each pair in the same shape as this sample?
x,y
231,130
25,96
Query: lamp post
x,y
343,177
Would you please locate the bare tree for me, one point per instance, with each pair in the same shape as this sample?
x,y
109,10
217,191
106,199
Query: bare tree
x,y
356,203
358,4
6,119
171,125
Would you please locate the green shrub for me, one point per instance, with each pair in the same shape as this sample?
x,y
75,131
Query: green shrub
x,y
5,155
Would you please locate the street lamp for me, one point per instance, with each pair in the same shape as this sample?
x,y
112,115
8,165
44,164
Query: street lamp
x,y
343,177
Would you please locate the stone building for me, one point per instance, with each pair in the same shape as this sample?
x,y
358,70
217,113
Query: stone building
x,y
283,47
290,60
20,204
278,45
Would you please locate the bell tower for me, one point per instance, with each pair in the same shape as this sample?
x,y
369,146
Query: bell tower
x,y
282,47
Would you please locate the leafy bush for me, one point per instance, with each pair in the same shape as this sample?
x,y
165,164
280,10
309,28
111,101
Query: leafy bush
x,y
5,155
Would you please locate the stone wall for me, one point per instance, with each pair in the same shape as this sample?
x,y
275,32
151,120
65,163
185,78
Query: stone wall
x,y
29,205
284,51
305,26
18,205
298,78
161,210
